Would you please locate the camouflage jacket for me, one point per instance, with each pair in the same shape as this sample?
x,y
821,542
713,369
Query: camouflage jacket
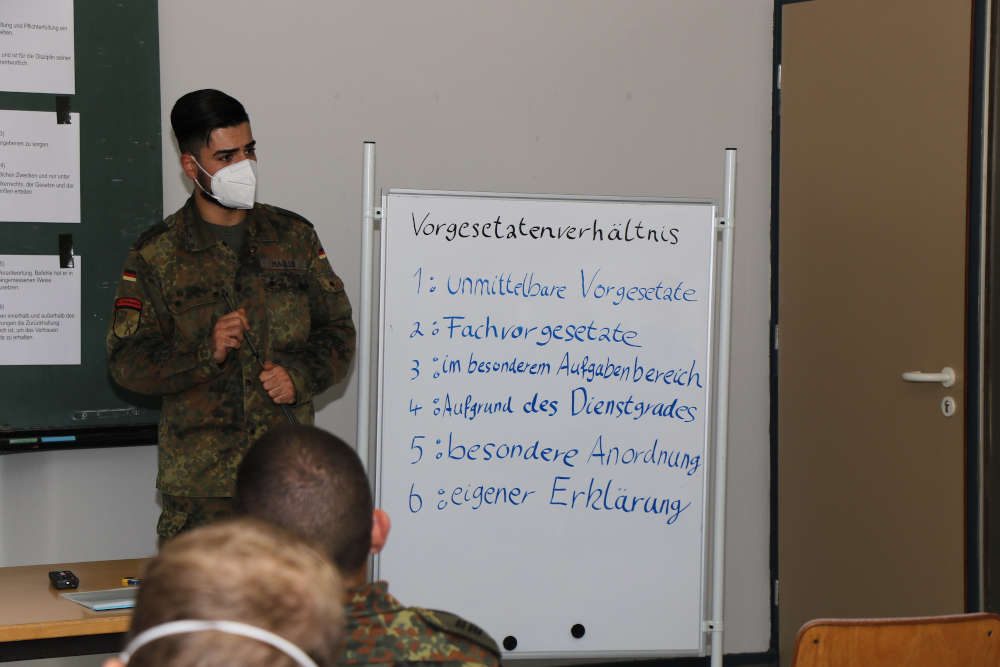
x,y
381,631
174,286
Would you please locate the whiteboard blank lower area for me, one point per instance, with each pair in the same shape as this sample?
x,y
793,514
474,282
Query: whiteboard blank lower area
x,y
544,381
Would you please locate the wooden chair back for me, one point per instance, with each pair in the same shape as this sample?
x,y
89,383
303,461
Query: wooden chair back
x,y
962,640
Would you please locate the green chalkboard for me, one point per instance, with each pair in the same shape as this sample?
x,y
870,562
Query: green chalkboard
x,y
118,99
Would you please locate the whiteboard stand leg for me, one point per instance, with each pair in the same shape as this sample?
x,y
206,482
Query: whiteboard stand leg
x,y
722,410
365,318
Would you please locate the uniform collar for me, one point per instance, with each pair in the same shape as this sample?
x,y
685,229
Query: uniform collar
x,y
371,598
195,233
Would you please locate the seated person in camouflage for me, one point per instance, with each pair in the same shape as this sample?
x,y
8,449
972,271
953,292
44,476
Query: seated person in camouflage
x,y
313,484
240,593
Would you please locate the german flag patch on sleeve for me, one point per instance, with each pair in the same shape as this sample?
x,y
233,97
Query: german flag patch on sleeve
x,y
128,314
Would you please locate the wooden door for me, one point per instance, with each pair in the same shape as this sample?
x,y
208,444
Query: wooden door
x,y
872,283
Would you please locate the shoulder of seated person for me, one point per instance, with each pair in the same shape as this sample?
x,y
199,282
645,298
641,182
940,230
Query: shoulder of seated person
x,y
454,624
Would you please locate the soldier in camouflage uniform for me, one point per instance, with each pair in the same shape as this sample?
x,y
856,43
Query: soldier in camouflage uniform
x,y
199,292
313,484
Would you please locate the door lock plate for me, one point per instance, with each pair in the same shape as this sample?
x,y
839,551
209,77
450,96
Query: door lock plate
x,y
948,406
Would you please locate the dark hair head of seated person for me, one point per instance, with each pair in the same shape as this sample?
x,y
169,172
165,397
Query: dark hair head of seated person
x,y
245,572
313,483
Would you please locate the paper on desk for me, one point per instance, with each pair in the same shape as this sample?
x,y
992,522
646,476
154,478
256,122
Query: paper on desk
x,y
105,600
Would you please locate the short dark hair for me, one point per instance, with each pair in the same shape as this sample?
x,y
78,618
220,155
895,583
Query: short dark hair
x,y
312,483
197,113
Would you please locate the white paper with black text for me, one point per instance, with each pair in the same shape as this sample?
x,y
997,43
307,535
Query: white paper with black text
x,y
39,167
36,47
39,311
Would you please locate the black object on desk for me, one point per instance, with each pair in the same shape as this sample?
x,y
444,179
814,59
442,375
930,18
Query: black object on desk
x,y
63,579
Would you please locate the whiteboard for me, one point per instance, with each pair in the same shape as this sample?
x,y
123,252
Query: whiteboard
x,y
545,374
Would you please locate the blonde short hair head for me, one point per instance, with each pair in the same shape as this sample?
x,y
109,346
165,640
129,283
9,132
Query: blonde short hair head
x,y
239,570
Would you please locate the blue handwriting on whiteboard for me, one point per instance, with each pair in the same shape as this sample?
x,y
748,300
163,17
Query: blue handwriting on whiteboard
x,y
505,284
606,369
613,455
480,366
582,403
591,288
475,496
569,332
545,406
597,497
458,450
419,275
470,408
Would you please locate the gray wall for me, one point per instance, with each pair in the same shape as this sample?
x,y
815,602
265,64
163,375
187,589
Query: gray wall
x,y
555,96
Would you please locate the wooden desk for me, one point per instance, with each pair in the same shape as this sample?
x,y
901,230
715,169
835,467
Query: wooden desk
x,y
36,621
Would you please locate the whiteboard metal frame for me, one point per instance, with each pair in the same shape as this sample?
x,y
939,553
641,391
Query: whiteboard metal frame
x,y
368,218
706,557
721,405
720,327
547,197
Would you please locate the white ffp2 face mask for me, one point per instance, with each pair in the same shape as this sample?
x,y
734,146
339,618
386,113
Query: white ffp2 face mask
x,y
233,186
229,627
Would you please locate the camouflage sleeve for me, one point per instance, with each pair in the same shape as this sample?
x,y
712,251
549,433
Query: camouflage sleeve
x,y
326,358
143,355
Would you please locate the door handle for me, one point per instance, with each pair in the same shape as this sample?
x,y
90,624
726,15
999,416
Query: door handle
x,y
946,377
